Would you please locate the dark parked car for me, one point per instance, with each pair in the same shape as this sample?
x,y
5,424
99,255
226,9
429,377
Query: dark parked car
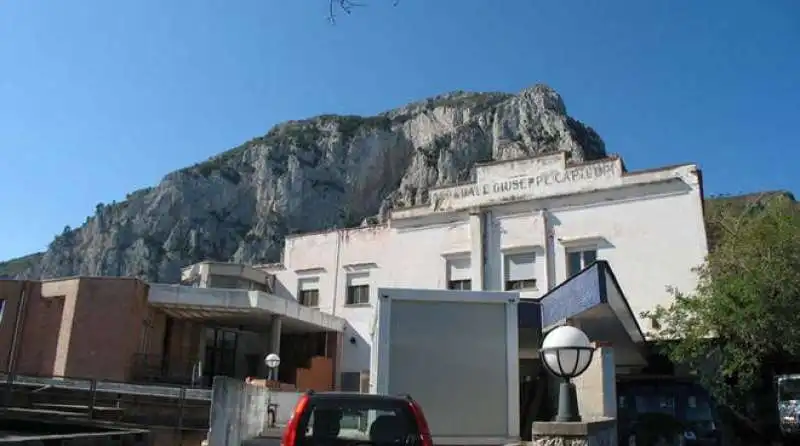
x,y
648,405
348,419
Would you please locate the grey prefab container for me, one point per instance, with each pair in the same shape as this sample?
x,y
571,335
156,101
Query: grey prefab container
x,y
457,354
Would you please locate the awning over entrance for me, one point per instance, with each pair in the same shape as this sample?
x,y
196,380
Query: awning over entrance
x,y
594,300
242,307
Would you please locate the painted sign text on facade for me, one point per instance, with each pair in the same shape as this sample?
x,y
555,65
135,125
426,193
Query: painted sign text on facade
x,y
529,185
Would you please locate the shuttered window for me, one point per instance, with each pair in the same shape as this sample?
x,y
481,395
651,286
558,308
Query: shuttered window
x,y
459,274
520,271
357,289
309,292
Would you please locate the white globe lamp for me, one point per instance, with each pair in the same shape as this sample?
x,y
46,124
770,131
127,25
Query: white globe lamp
x,y
566,353
272,361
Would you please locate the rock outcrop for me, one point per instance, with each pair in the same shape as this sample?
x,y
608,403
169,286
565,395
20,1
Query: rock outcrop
x,y
324,172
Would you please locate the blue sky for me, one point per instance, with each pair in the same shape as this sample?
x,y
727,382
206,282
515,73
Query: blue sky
x,y
98,98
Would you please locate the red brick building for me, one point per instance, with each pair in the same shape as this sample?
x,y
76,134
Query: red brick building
x,y
120,329
83,327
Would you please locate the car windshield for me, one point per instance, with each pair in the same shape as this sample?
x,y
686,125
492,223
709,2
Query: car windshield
x,y
654,403
679,401
350,421
698,408
789,389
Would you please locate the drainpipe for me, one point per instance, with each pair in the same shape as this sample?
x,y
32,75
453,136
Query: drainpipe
x,y
549,250
339,236
13,353
486,233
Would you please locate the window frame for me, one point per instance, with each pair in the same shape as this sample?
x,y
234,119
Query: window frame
x,y
580,250
528,284
308,284
303,298
358,294
460,283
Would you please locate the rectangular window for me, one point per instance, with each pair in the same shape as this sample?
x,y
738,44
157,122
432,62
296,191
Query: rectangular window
x,y
308,294
357,289
2,309
459,274
520,271
309,298
579,259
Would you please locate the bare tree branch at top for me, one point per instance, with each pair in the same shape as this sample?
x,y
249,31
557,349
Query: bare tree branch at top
x,y
345,6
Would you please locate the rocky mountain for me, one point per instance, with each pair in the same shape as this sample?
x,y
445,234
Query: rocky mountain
x,y
324,172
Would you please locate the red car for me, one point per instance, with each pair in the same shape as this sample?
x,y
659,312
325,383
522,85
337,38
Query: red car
x,y
349,419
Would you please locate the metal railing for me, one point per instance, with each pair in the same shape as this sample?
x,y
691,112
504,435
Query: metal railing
x,y
149,368
145,405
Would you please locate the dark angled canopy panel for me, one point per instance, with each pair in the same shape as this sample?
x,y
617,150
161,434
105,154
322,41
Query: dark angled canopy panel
x,y
595,300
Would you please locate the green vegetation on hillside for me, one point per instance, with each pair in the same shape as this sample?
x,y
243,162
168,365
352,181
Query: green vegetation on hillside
x,y
19,265
305,134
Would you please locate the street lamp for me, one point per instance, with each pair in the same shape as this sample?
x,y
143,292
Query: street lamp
x,y
566,352
272,361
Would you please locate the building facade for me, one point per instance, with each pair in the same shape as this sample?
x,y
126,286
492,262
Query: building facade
x,y
545,227
82,327
525,225
223,321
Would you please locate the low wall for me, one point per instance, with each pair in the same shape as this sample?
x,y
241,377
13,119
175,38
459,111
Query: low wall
x,y
285,398
131,438
238,412
600,432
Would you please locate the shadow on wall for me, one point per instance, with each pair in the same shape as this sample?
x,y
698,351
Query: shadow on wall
x,y
356,351
280,290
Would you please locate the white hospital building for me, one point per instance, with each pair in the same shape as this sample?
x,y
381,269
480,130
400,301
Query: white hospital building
x,y
527,225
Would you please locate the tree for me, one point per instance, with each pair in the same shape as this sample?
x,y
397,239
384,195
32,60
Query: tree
x,y
345,6
745,311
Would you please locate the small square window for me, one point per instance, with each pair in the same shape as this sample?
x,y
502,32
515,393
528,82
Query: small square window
x,y
357,294
463,285
309,298
579,259
459,274
357,289
520,271
308,293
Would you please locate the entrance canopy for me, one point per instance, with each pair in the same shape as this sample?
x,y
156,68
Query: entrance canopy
x,y
240,307
594,302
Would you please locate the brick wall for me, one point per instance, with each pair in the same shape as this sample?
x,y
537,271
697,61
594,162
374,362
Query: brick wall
x,y
106,327
9,294
81,327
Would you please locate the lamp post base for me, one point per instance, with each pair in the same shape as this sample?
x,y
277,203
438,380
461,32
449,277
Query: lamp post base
x,y
567,403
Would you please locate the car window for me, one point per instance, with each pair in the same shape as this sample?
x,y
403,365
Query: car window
x,y
350,420
698,408
655,403
789,390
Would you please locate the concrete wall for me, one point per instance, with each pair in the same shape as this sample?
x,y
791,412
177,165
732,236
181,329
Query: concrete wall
x,y
648,226
238,412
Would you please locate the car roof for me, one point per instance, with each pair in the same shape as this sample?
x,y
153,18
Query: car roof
x,y
665,379
357,396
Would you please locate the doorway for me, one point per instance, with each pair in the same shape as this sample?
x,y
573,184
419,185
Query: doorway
x,y
220,354
533,396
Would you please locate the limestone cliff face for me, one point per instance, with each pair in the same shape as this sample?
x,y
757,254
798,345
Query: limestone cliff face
x,y
323,172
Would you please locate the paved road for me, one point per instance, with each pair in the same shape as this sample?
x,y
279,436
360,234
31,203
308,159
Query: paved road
x,y
272,437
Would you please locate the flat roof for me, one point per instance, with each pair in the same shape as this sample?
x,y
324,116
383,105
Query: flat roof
x,y
239,306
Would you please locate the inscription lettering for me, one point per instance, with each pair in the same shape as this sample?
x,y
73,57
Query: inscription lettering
x,y
529,184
